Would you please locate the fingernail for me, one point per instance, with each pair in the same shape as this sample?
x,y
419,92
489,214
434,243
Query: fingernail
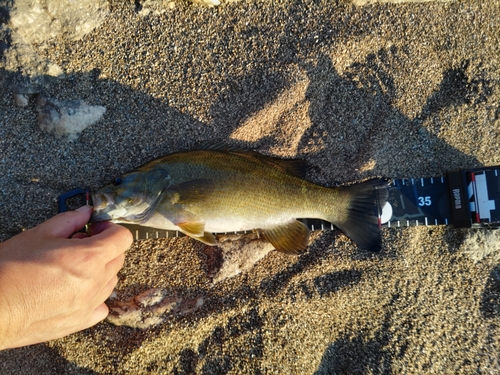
x,y
84,208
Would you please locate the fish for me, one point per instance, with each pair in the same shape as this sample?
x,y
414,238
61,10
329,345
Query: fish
x,y
221,189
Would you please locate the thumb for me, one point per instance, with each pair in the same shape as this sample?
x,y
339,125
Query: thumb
x,y
65,224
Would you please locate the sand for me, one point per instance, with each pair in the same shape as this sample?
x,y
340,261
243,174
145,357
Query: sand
x,y
395,90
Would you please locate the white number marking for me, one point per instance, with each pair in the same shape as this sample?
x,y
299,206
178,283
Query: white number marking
x,y
424,201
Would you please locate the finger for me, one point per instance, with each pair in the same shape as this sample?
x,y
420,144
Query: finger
x,y
114,240
65,224
100,313
106,290
100,226
104,226
80,235
115,265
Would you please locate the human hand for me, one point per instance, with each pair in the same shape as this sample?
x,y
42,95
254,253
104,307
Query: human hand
x,y
52,285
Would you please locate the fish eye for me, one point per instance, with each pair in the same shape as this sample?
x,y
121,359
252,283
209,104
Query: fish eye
x,y
117,181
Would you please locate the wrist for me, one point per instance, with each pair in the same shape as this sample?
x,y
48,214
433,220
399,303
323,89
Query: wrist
x,y
4,323
5,314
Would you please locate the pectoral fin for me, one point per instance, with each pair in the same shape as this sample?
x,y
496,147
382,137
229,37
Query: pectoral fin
x,y
290,238
192,228
207,238
196,230
187,222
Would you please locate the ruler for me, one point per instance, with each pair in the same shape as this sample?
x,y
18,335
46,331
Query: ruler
x,y
462,199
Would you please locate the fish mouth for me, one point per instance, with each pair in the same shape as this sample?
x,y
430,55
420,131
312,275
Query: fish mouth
x,y
101,202
105,209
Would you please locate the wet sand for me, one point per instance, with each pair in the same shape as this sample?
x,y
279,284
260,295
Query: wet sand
x,y
406,90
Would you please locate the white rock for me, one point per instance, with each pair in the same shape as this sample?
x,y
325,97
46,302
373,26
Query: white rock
x,y
37,21
20,100
66,118
209,3
150,297
240,253
480,244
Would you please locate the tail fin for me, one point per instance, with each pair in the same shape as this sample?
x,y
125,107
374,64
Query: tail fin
x,y
361,220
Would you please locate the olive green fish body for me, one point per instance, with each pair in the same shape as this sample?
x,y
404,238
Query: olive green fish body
x,y
215,191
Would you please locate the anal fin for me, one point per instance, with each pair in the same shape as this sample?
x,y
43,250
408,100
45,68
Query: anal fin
x,y
289,238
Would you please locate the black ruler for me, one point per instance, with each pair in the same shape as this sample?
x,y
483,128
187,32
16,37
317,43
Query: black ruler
x,y
463,199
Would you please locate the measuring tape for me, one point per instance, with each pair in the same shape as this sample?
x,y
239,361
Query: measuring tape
x,y
463,199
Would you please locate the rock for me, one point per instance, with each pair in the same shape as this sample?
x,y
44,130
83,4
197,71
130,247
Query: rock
x,y
4,14
150,297
5,38
28,22
209,3
26,70
66,118
21,100
240,252
150,308
146,7
480,244
37,21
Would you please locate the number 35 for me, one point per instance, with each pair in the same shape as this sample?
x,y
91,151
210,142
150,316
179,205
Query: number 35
x,y
424,201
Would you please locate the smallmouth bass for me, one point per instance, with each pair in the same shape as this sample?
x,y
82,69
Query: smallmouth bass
x,y
216,190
